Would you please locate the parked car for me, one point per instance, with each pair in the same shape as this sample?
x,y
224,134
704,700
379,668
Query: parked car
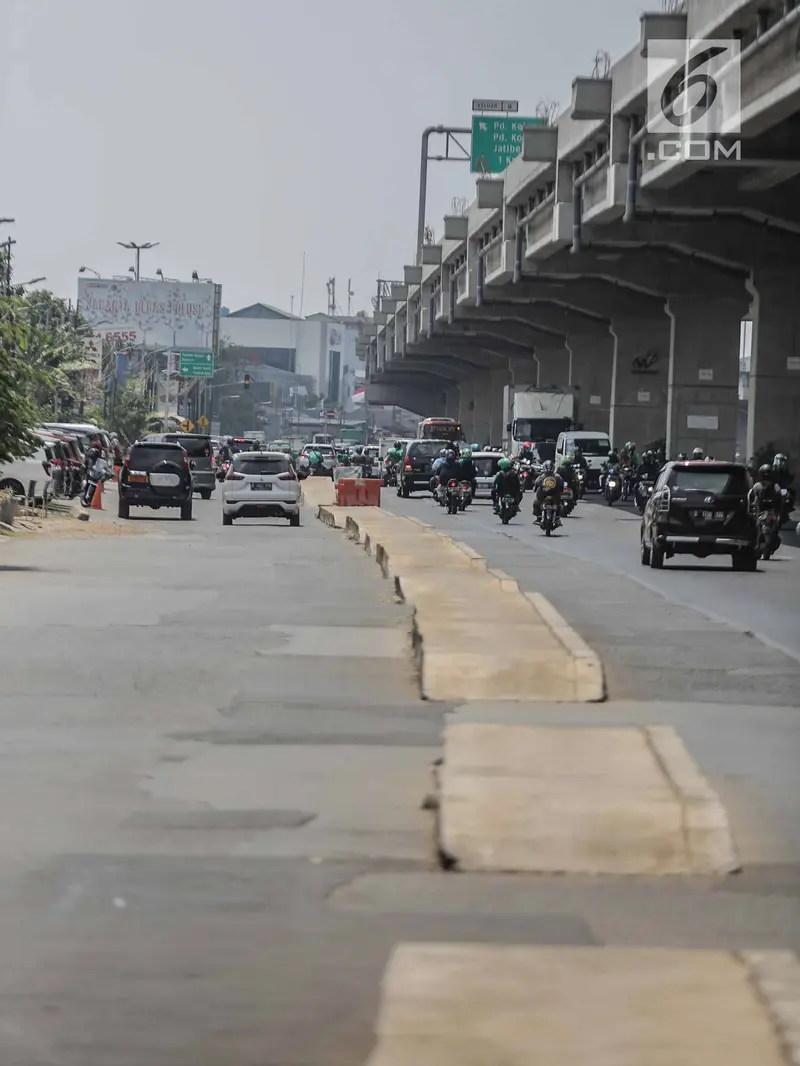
x,y
156,474
701,508
261,484
200,449
34,471
414,472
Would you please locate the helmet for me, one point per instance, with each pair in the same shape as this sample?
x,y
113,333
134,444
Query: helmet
x,y
450,453
526,447
780,462
443,452
682,457
229,440
398,444
698,453
548,467
567,460
476,447
612,454
466,453
504,464
764,472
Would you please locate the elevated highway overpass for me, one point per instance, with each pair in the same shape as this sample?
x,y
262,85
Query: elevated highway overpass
x,y
604,260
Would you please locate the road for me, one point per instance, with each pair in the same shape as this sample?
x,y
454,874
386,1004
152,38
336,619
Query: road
x,y
695,629
213,766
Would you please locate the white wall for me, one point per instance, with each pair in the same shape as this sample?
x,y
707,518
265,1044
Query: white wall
x,y
304,336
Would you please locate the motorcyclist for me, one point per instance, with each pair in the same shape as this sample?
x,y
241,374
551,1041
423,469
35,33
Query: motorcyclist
x,y
629,457
227,450
94,467
526,452
506,483
611,463
468,470
649,467
567,473
783,476
315,460
548,483
579,460
450,469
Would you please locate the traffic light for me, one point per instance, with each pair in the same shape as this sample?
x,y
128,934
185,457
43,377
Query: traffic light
x,y
247,381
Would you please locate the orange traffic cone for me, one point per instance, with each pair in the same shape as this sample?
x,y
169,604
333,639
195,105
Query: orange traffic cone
x,y
97,499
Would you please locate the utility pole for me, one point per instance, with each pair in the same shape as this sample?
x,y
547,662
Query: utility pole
x,y
138,249
350,295
331,287
291,304
7,245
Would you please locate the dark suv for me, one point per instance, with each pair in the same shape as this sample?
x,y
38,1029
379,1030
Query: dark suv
x,y
199,449
415,469
156,474
701,508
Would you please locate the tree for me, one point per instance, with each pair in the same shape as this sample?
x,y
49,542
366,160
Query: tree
x,y
131,412
18,409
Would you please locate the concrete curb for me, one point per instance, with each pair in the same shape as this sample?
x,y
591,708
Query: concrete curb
x,y
706,828
775,975
589,676
447,670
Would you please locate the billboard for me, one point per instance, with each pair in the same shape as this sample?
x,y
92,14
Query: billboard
x,y
159,313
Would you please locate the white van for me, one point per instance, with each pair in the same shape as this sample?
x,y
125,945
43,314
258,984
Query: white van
x,y
594,447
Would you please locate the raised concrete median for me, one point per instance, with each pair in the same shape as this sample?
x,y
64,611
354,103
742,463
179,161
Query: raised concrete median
x,y
477,636
482,1005
577,800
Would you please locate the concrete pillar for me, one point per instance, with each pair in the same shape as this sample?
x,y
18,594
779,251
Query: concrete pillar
x,y
478,393
592,369
703,393
553,366
466,407
773,409
522,370
640,379
451,403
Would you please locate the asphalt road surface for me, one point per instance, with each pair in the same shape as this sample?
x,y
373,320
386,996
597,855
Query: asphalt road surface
x,y
213,762
695,629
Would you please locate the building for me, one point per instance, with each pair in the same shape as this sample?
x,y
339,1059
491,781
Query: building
x,y
320,350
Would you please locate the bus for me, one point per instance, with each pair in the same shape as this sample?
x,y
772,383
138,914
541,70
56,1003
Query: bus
x,y
440,429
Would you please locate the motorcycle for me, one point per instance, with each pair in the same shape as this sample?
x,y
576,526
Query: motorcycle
x,y
550,519
612,489
626,483
581,476
787,499
768,536
508,509
222,469
643,492
98,472
452,493
390,478
464,495
527,474
567,502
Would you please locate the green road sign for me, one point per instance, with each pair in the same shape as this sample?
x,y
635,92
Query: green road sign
x,y
496,141
196,364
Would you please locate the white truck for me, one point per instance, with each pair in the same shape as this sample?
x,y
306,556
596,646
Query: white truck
x,y
538,415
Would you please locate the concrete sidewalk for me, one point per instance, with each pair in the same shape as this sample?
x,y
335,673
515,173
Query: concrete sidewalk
x,y
578,800
478,637
479,1005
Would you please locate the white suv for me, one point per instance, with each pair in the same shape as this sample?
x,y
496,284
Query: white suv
x,y
18,474
261,485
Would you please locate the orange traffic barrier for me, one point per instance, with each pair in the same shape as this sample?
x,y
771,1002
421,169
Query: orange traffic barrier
x,y
358,492
97,499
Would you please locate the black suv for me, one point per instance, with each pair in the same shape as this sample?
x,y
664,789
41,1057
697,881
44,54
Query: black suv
x,y
701,508
415,469
156,474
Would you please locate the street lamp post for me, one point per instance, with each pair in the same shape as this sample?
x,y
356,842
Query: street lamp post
x,y
83,269
138,249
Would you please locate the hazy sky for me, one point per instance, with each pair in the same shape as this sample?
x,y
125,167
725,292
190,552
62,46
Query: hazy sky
x,y
240,133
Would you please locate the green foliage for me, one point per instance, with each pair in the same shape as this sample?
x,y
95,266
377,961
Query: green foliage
x,y
42,359
131,413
